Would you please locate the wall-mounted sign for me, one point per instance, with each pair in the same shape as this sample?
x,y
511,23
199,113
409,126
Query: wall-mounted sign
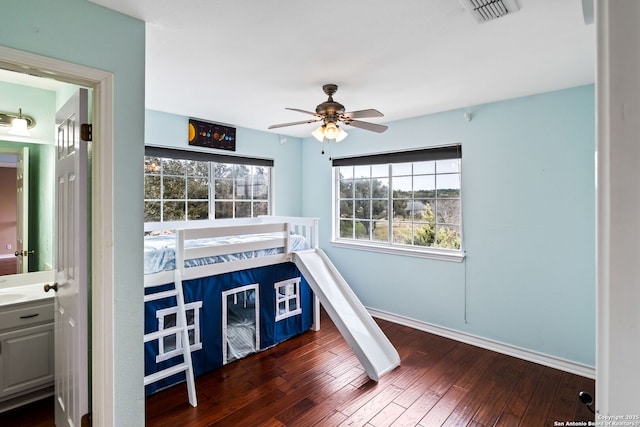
x,y
212,135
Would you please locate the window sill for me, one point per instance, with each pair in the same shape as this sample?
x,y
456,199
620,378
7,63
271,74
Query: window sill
x,y
441,255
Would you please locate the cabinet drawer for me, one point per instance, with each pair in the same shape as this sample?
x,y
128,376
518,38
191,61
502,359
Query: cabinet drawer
x,y
24,316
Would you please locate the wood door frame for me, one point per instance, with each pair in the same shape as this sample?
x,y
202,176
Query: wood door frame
x,y
102,219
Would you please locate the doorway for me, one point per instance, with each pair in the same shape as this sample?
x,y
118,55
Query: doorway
x,y
101,362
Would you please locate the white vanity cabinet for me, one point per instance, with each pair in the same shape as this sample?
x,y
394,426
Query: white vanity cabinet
x,y
26,350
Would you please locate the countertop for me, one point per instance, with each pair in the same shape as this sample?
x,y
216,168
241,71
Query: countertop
x,y
21,294
25,288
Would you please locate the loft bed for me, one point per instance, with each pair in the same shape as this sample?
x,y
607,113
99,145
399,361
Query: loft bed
x,y
242,293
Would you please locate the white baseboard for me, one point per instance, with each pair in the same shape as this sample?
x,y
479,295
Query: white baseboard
x,y
510,350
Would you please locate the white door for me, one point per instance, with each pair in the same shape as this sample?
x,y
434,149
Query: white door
x,y
22,184
71,342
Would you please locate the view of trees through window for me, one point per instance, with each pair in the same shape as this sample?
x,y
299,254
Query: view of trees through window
x,y
177,190
415,203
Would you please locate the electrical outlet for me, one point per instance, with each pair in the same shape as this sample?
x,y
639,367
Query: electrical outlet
x,y
9,246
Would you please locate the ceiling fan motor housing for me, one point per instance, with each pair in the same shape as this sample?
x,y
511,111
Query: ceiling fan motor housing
x,y
330,109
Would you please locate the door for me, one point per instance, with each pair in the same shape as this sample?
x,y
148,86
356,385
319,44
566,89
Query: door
x,y
71,342
22,217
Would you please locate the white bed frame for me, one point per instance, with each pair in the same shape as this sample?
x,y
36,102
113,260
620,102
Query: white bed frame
x,y
186,230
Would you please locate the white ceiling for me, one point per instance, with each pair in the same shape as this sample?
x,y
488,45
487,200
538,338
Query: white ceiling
x,y
241,62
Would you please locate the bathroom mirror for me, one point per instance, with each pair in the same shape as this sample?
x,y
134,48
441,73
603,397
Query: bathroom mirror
x,y
26,207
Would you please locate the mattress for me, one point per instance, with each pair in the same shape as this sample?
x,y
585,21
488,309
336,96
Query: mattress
x,y
160,254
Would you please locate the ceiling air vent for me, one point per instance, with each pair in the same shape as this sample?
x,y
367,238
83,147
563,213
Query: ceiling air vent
x,y
488,10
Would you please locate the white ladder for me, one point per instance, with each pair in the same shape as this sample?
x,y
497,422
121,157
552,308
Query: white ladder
x,y
181,332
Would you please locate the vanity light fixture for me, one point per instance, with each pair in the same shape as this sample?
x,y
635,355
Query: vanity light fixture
x,y
19,124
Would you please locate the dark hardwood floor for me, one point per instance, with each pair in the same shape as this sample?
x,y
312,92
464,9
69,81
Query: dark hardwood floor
x,y
314,379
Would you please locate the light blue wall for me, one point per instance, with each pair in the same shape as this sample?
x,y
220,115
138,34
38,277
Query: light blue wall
x,y
170,130
528,202
81,32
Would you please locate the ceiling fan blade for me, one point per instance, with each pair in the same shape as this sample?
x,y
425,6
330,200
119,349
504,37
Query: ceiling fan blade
x,y
361,114
302,122
367,126
301,111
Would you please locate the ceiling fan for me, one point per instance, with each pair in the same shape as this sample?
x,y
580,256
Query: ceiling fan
x,y
331,113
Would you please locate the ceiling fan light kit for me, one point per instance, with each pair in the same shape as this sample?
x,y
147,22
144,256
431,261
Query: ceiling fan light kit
x,y
331,113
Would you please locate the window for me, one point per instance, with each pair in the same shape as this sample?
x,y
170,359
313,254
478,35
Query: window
x,y
171,345
404,200
182,185
287,298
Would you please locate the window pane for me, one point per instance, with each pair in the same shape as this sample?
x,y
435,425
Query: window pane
x,y
198,169
293,304
363,188
260,191
415,210
197,188
243,209
346,229
362,172
428,213
421,168
379,171
223,170
424,186
362,209
151,211
173,167
448,237
402,232
152,165
380,209
399,169
362,230
260,208
446,166
261,174
345,172
198,210
448,211
448,185
402,187
346,209
174,211
243,188
400,209
173,188
223,209
242,171
380,188
223,189
423,234
346,189
151,186
380,231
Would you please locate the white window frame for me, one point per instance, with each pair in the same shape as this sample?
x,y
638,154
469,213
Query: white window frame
x,y
444,254
212,159
291,293
161,314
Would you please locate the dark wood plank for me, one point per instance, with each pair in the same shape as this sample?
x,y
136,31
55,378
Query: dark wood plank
x,y
314,379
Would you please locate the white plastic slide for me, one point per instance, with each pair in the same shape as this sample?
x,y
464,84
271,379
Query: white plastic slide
x,y
370,345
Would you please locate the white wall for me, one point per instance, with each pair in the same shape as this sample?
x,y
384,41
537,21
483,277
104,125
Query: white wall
x,y
618,208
